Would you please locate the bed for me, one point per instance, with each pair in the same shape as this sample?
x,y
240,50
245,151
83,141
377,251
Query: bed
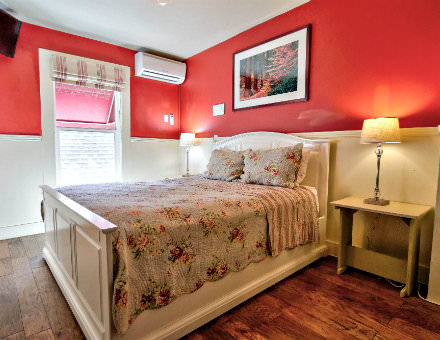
x,y
80,245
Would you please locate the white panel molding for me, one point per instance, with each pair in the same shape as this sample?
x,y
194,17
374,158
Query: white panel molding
x,y
419,132
25,138
406,133
20,176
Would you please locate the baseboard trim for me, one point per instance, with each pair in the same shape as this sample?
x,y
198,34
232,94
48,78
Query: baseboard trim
x,y
423,274
20,230
432,300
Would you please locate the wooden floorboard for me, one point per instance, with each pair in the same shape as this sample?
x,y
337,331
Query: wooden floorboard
x,y
4,249
16,336
16,248
5,266
33,313
10,317
60,317
314,303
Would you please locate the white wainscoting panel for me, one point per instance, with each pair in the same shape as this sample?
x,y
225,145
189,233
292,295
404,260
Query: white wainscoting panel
x,y
150,158
198,157
21,172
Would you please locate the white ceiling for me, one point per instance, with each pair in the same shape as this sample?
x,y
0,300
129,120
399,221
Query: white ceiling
x,y
180,29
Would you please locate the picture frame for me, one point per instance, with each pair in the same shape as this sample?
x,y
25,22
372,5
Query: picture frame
x,y
273,72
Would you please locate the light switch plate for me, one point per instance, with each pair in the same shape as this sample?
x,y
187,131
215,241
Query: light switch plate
x,y
218,110
165,118
171,119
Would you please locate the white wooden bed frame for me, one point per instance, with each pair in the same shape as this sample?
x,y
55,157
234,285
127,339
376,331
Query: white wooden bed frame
x,y
79,254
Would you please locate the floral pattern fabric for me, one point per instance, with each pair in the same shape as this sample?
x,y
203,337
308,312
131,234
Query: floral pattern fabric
x,y
174,235
277,167
225,165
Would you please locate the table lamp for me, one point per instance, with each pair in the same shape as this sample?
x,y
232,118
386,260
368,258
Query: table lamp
x,y
187,139
380,130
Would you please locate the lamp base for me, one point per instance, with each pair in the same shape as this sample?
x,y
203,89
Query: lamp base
x,y
187,175
376,201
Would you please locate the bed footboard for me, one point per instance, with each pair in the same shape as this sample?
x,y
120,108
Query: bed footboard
x,y
78,252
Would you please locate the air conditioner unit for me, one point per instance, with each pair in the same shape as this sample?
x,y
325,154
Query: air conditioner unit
x,y
158,68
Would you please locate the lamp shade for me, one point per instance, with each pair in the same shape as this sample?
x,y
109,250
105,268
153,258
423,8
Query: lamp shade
x,y
381,130
187,139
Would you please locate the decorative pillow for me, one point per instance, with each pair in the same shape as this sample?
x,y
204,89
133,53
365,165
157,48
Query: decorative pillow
x,y
225,165
273,167
302,171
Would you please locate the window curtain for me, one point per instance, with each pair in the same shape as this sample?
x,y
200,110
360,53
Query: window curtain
x,y
78,71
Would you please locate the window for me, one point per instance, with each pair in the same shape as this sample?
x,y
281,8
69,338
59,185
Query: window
x,y
87,134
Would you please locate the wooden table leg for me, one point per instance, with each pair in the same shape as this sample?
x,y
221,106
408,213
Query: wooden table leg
x,y
413,258
345,237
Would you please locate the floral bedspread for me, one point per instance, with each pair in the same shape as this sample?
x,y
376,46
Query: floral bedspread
x,y
174,235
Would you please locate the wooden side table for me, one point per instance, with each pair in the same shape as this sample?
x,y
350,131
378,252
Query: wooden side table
x,y
377,263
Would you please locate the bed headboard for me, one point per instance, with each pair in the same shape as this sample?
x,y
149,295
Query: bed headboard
x,y
317,170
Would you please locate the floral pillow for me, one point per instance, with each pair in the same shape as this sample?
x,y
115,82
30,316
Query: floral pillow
x,y
273,167
225,165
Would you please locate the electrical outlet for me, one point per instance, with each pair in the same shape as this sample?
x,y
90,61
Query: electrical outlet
x,y
165,118
218,110
171,119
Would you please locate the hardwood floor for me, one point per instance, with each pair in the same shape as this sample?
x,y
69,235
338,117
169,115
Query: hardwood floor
x,y
312,304
32,306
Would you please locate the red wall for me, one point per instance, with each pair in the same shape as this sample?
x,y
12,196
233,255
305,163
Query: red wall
x,y
368,58
20,92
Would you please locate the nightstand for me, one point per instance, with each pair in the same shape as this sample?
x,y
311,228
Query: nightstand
x,y
377,263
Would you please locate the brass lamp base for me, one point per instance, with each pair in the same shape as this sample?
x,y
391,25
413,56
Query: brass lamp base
x,y
376,201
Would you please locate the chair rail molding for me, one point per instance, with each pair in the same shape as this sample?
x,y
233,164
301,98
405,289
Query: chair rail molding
x,y
30,138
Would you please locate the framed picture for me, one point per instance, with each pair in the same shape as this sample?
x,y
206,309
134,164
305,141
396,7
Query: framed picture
x,y
273,72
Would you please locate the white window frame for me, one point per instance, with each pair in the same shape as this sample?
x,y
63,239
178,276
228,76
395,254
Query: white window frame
x,y
48,120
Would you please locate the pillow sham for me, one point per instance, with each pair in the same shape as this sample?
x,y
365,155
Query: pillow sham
x,y
302,171
278,167
225,165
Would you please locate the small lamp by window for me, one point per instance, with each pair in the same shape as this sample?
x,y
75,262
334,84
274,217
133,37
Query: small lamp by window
x,y
187,139
380,130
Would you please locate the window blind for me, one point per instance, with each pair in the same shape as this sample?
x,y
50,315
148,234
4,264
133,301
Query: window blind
x,y
86,157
